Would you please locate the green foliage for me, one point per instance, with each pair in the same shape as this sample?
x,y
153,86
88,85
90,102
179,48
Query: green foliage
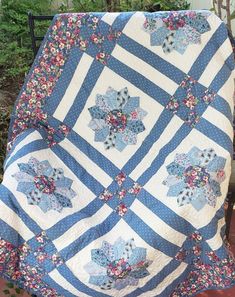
x,y
15,44
129,5
172,4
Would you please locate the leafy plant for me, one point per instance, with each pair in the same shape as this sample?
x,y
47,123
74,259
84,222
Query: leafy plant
x,y
128,5
15,44
172,5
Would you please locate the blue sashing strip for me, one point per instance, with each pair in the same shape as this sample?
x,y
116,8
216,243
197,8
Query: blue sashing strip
x,y
34,146
84,92
53,284
74,281
223,75
157,279
148,235
151,58
140,81
9,199
93,154
210,229
222,106
162,122
89,236
179,136
78,170
215,134
169,289
164,213
11,235
66,77
16,142
66,223
208,52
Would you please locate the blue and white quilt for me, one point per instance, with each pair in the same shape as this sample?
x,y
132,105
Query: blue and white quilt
x,y
119,159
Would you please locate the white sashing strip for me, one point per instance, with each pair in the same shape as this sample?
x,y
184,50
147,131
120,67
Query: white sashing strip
x,y
35,135
216,242
13,220
145,163
140,66
87,163
166,282
82,226
74,87
216,63
219,120
158,225
61,281
109,18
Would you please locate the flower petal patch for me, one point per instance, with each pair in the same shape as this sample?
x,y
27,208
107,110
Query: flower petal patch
x,y
118,265
117,119
195,178
176,30
44,185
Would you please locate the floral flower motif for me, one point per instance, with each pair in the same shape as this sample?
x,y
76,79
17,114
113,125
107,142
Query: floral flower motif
x,y
196,177
117,266
44,186
121,209
136,188
120,193
120,178
196,236
176,30
181,255
173,104
106,195
117,119
189,100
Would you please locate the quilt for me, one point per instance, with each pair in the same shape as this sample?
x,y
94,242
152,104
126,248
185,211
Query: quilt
x,y
119,159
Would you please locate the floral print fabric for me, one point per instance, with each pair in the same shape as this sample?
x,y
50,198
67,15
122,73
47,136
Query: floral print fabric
x,y
176,30
117,119
195,177
207,270
44,186
118,266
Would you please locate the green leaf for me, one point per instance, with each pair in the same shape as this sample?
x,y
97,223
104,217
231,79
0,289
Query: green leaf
x,y
6,291
10,285
18,290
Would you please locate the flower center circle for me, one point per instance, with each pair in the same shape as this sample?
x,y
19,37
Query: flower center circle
x,y
118,269
196,176
117,120
45,184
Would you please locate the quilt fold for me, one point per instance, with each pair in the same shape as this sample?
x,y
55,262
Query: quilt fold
x,y
119,159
